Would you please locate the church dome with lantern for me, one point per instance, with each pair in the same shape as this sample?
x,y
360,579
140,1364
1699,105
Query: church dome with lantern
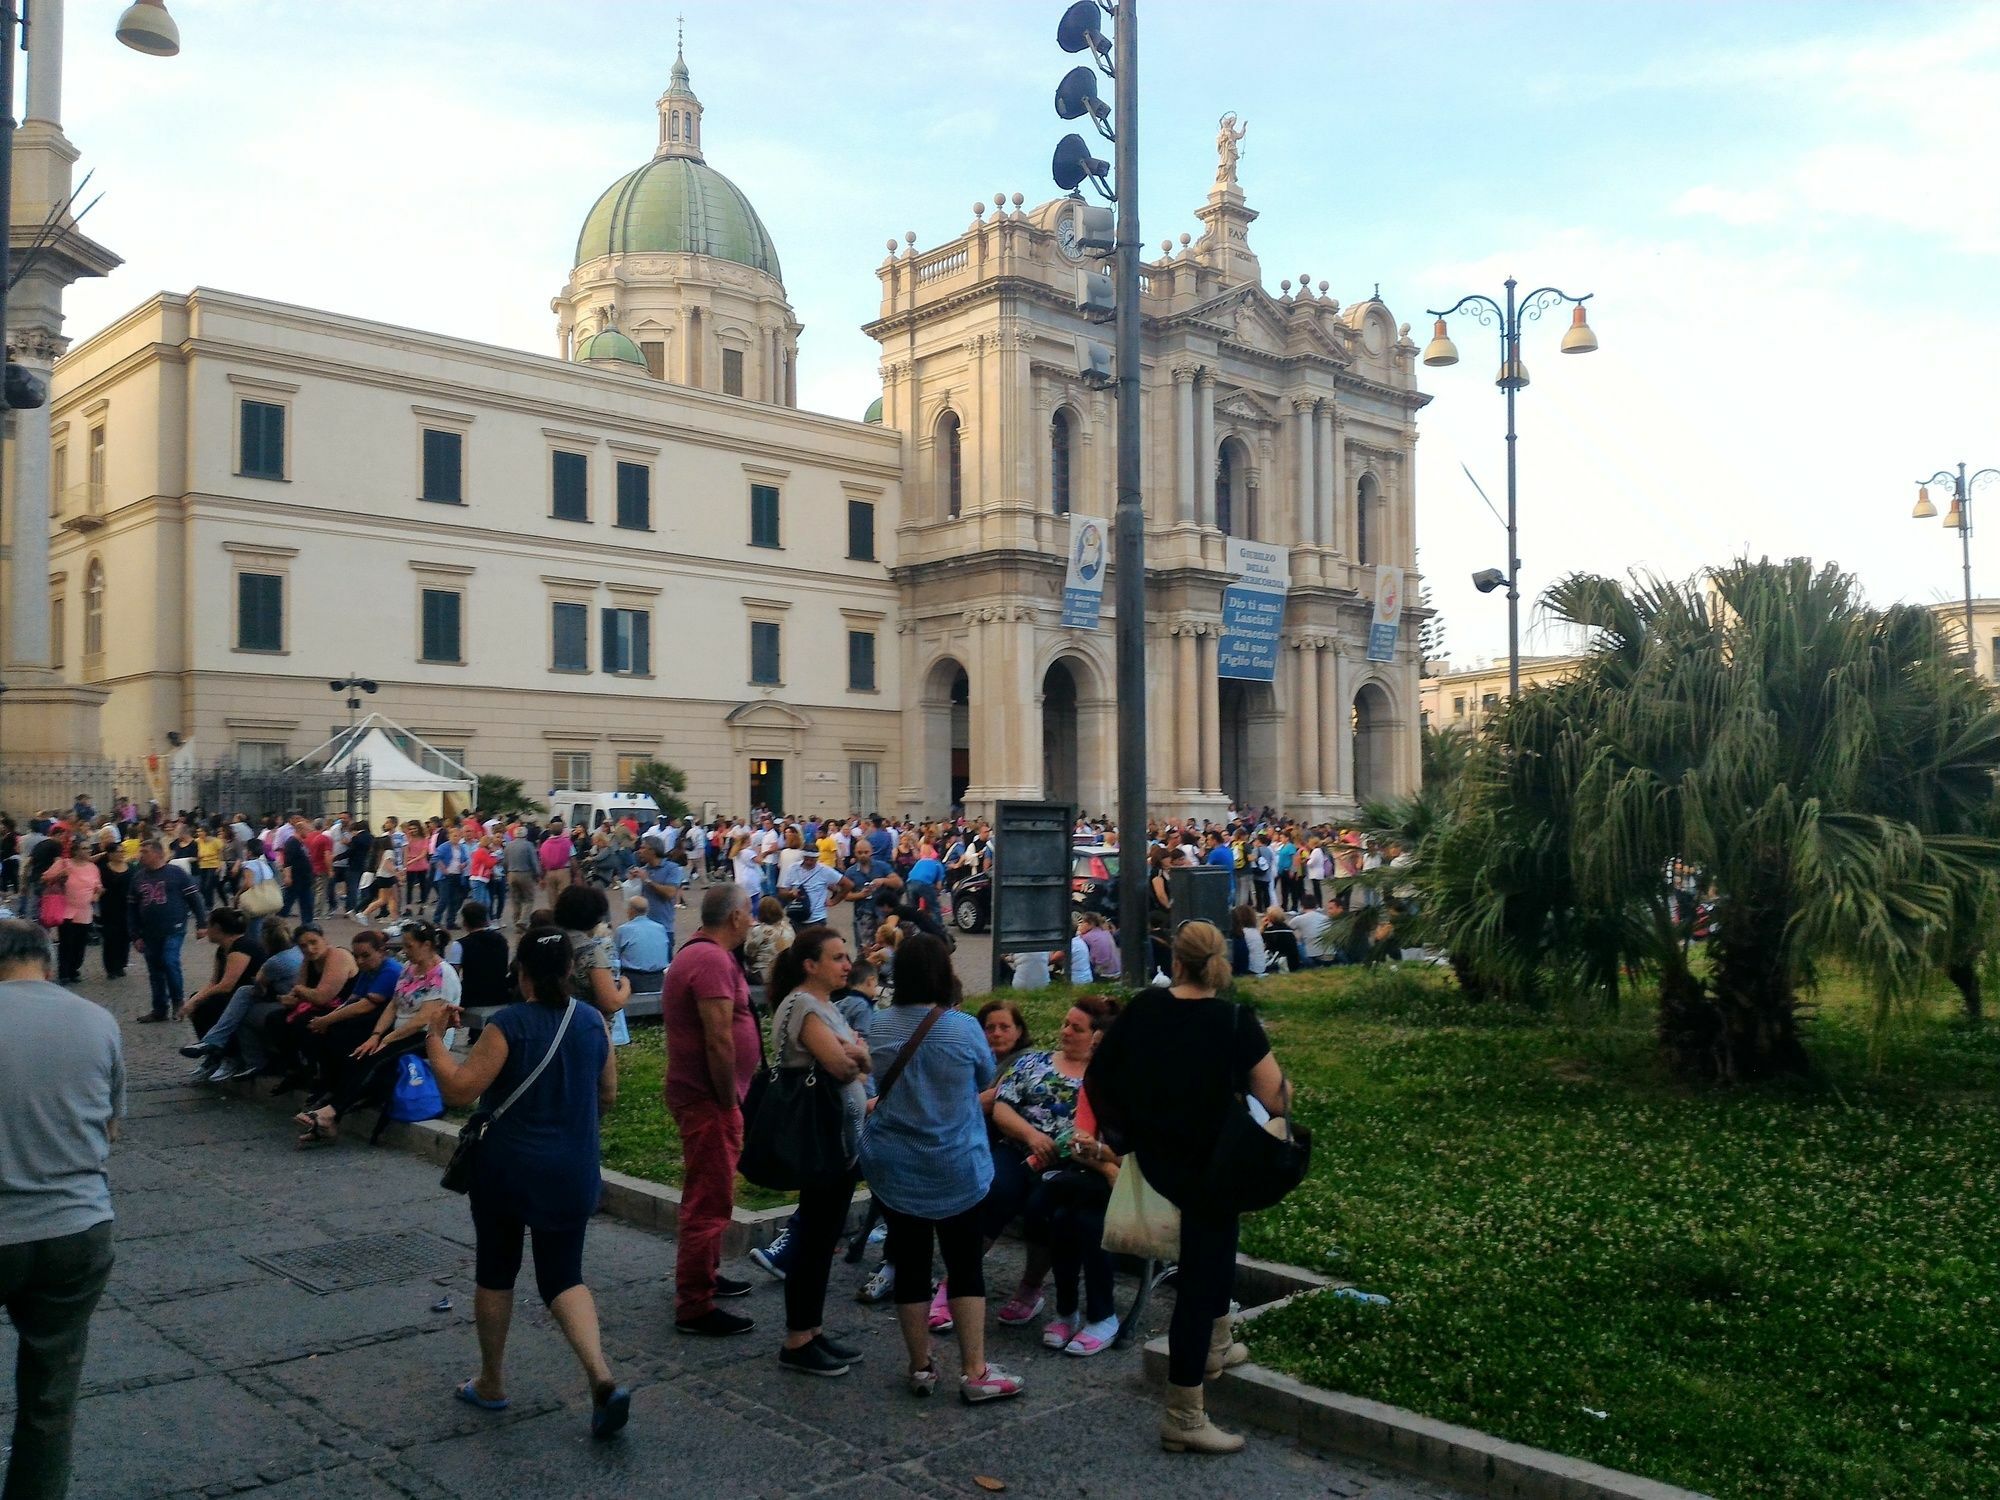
x,y
674,259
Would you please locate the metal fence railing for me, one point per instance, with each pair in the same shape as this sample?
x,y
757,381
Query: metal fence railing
x,y
29,787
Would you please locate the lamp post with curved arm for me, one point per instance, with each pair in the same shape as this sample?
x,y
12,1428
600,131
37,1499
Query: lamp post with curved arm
x,y
1513,375
1960,517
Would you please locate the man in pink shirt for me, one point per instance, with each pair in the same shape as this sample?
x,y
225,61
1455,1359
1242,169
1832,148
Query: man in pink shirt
x,y
712,1054
556,852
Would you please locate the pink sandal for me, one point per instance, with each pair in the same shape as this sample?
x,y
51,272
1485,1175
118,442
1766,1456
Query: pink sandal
x,y
940,1316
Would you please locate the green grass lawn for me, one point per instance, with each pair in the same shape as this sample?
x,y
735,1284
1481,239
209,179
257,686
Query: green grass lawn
x,y
1789,1290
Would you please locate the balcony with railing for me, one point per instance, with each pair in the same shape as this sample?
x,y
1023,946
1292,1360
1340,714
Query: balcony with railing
x,y
80,507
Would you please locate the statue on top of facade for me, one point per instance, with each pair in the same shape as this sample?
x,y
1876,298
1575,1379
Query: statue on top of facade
x,y
1228,147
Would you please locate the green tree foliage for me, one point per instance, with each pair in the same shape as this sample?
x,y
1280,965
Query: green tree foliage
x,y
1828,767
503,794
664,784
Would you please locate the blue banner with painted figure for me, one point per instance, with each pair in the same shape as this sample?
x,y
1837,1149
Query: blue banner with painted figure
x,y
1253,611
1387,623
1083,583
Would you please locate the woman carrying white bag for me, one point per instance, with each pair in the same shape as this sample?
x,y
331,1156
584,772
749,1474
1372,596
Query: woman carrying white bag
x,y
1164,1083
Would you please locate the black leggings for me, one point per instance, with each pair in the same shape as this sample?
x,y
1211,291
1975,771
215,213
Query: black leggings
x,y
815,1230
497,1260
960,1240
1206,1276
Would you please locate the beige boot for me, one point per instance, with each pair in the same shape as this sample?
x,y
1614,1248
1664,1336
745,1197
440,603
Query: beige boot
x,y
1185,1428
1223,1350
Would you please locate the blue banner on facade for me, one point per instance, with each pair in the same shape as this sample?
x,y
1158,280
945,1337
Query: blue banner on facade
x,y
1083,581
1251,620
1387,624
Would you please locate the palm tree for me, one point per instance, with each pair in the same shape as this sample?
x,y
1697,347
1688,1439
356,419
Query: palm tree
x,y
1827,766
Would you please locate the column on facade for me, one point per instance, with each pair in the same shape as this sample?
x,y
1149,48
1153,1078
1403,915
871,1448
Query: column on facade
x,y
28,644
1334,719
1029,427
1343,738
1304,467
1208,691
1323,475
1162,672
1305,673
1187,727
1285,691
1184,441
45,63
1204,447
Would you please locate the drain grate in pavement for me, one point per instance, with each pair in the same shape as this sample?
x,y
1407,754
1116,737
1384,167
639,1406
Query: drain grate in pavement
x,y
365,1260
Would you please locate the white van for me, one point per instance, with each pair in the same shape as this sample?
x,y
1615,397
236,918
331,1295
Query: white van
x,y
592,808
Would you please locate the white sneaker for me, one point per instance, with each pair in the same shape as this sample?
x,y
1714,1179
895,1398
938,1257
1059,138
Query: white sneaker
x,y
878,1286
993,1384
924,1382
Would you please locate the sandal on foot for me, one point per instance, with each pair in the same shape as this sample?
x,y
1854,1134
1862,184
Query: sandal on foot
x,y
469,1394
610,1414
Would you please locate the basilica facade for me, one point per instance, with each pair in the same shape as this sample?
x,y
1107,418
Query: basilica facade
x,y
639,547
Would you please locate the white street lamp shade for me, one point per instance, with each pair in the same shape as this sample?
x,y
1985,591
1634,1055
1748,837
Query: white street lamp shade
x,y
1441,350
1925,511
146,27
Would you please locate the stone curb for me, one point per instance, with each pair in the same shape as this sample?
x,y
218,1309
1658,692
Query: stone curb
x,y
1462,1456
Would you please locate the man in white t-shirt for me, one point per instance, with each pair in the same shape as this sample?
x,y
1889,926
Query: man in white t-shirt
x,y
1314,929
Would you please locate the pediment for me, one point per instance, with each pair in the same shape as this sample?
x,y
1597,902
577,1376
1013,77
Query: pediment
x,y
1241,406
766,713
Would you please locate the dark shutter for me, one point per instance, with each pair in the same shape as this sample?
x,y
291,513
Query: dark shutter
x,y
642,642
609,650
861,531
260,612
732,372
635,496
441,625
571,626
570,482
763,651
263,452
443,455
763,515
861,661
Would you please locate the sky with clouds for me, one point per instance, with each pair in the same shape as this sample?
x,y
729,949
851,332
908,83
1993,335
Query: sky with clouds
x,y
1787,213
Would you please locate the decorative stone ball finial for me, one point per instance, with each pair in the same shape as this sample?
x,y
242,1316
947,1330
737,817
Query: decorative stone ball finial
x,y
1322,287
1285,286
1018,200
910,237
1000,201
1186,239
892,244
978,208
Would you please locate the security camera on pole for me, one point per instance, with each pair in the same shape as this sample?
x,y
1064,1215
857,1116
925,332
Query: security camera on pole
x,y
1115,54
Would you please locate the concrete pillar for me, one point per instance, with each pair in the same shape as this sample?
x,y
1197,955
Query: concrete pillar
x,y
1333,720
1285,694
1204,447
1343,738
1187,728
45,61
1303,469
1306,671
1323,478
1207,689
1184,444
28,644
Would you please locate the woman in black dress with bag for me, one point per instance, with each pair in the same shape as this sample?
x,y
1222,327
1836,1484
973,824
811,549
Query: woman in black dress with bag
x,y
1164,1085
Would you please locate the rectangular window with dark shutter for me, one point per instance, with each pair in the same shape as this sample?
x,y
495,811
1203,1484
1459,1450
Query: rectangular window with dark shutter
x,y
569,626
444,457
732,372
569,484
260,612
861,661
628,645
861,531
441,625
764,652
764,515
263,451
635,497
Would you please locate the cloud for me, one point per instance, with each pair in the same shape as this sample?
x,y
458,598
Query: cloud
x,y
1735,206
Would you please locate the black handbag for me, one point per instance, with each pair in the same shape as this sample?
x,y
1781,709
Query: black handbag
x,y
1255,1166
793,1125
458,1171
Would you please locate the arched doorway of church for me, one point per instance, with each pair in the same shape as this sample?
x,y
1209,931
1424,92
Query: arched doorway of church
x,y
1233,491
946,722
1374,744
1248,718
1059,734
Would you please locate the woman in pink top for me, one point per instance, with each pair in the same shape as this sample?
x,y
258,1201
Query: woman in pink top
x,y
69,896
417,865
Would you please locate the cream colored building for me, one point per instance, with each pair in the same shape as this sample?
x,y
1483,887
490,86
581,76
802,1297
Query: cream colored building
x,y
639,547
1464,697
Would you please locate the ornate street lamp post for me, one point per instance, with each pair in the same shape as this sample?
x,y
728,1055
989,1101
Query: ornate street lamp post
x,y
1959,516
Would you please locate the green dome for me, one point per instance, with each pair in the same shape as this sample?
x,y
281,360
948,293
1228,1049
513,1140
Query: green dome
x,y
609,343
874,412
675,205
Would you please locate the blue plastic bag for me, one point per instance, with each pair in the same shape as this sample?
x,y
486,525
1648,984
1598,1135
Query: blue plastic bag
x,y
621,1034
415,1096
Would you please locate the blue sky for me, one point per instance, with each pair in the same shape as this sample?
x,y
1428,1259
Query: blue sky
x,y
1787,212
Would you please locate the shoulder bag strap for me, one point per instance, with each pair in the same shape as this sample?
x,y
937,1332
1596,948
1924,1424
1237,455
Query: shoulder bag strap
x,y
903,1057
547,1058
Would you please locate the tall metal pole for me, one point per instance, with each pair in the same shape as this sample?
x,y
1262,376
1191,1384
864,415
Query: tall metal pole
x,y
1964,493
1510,365
1131,518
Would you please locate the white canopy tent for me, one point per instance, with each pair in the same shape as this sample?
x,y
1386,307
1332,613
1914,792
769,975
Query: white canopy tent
x,y
397,786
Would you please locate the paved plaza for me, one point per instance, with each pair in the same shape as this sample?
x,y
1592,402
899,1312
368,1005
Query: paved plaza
x,y
270,1330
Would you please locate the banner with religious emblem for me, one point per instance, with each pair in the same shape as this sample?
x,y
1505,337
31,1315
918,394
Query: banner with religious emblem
x,y
1253,611
1388,621
1083,584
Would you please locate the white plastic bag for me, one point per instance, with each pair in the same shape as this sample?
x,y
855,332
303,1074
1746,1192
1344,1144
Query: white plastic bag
x,y
1139,1220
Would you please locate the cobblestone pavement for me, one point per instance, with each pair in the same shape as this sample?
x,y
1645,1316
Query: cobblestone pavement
x,y
216,1369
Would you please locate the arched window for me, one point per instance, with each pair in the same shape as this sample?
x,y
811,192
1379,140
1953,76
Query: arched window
x,y
93,608
1233,490
1364,504
1059,439
950,466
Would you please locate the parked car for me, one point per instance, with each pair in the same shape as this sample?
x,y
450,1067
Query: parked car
x,y
1093,886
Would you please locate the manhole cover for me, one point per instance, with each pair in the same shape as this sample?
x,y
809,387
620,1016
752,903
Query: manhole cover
x,y
363,1261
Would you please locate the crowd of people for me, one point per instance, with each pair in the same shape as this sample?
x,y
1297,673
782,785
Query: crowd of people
x,y
961,1126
